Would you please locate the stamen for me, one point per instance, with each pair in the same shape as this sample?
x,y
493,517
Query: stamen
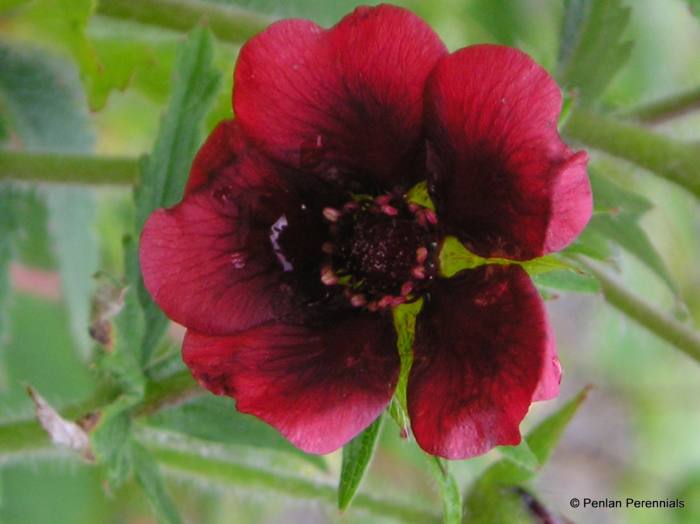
x,y
372,306
389,210
430,216
418,272
421,255
358,300
385,301
331,214
406,288
328,277
327,248
382,200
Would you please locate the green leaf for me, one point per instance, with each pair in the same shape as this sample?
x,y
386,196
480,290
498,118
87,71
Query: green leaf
x,y
521,455
545,437
45,104
405,325
72,214
575,281
591,244
42,101
545,264
214,419
418,194
165,171
149,478
694,6
592,48
496,496
449,491
541,441
617,219
454,257
609,197
357,455
110,442
111,437
547,271
63,23
11,200
687,490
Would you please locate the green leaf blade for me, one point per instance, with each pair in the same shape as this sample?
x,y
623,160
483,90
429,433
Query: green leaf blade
x,y
357,455
592,49
492,497
165,171
149,478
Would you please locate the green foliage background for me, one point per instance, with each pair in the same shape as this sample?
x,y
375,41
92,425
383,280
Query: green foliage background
x,y
77,78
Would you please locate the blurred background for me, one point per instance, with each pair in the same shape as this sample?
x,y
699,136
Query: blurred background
x,y
635,436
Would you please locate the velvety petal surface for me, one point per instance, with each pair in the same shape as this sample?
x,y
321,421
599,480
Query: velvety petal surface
x,y
221,149
345,102
235,252
501,177
550,378
318,385
480,346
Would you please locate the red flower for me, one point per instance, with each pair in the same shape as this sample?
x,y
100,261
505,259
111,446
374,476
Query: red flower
x,y
294,241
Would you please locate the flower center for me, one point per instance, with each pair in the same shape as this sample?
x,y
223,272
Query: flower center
x,y
382,251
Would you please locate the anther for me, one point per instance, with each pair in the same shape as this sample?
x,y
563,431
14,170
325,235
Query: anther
x,y
421,255
328,277
327,248
397,301
418,272
385,301
406,288
331,214
372,306
351,206
358,300
389,210
430,216
382,200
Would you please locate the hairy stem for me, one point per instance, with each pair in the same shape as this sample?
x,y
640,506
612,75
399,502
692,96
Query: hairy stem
x,y
680,335
226,472
67,169
229,23
667,108
24,436
674,160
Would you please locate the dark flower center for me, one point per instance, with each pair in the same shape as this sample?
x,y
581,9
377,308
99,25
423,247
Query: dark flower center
x,y
382,251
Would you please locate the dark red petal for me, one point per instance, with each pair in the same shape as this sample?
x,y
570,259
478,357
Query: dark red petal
x,y
480,344
344,100
221,148
550,379
319,386
210,263
503,180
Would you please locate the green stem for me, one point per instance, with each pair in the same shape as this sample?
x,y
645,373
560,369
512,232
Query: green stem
x,y
20,438
225,472
680,335
674,160
227,22
667,108
67,169
24,436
